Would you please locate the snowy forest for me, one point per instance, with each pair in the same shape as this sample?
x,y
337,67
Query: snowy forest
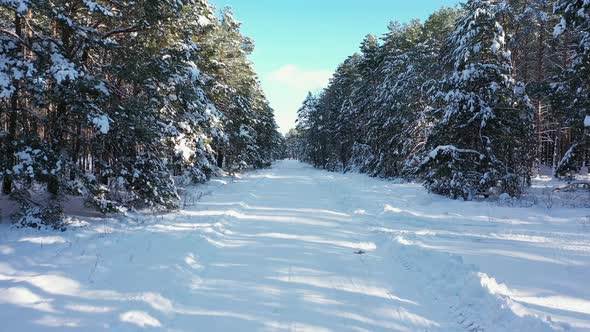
x,y
165,167
120,101
476,99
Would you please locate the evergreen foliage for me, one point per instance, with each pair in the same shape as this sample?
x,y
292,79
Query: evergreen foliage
x,y
118,101
474,101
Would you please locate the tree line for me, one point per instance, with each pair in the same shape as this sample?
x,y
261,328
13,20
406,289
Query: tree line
x,y
119,101
475,100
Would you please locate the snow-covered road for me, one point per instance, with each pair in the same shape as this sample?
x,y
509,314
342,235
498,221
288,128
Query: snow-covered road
x,y
294,248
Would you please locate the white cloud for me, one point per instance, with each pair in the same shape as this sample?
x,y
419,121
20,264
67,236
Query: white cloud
x,y
300,79
286,89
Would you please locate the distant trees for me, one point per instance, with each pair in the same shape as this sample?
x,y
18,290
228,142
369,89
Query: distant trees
x,y
474,98
294,145
116,100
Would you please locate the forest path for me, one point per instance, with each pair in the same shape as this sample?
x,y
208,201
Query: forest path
x,y
290,248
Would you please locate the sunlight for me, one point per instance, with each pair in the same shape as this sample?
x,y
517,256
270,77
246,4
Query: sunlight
x,y
507,253
344,285
55,284
90,309
468,237
369,246
243,216
157,302
23,297
44,240
53,321
532,257
225,243
218,286
213,313
188,227
262,208
560,302
369,321
294,326
192,261
403,315
139,318
317,298
6,250
388,209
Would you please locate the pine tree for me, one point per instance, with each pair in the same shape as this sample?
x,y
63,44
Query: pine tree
x,y
359,106
442,101
338,103
572,91
309,124
235,90
48,82
295,145
536,58
117,102
398,96
484,120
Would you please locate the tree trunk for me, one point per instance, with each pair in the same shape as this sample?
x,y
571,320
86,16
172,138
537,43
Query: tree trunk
x,y
220,159
12,121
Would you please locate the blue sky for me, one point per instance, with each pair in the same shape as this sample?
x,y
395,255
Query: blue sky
x,y
299,43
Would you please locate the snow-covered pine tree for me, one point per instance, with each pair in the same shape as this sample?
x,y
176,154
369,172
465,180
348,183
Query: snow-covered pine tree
x,y
268,139
536,58
51,92
372,109
483,131
427,68
340,109
111,101
393,122
295,145
234,88
145,70
196,121
572,91
412,62
397,96
308,123
358,108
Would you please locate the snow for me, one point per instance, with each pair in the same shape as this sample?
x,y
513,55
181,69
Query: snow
x,y
496,46
560,28
203,20
295,248
194,71
499,39
183,149
102,88
6,87
21,6
25,161
446,149
62,69
102,123
244,132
